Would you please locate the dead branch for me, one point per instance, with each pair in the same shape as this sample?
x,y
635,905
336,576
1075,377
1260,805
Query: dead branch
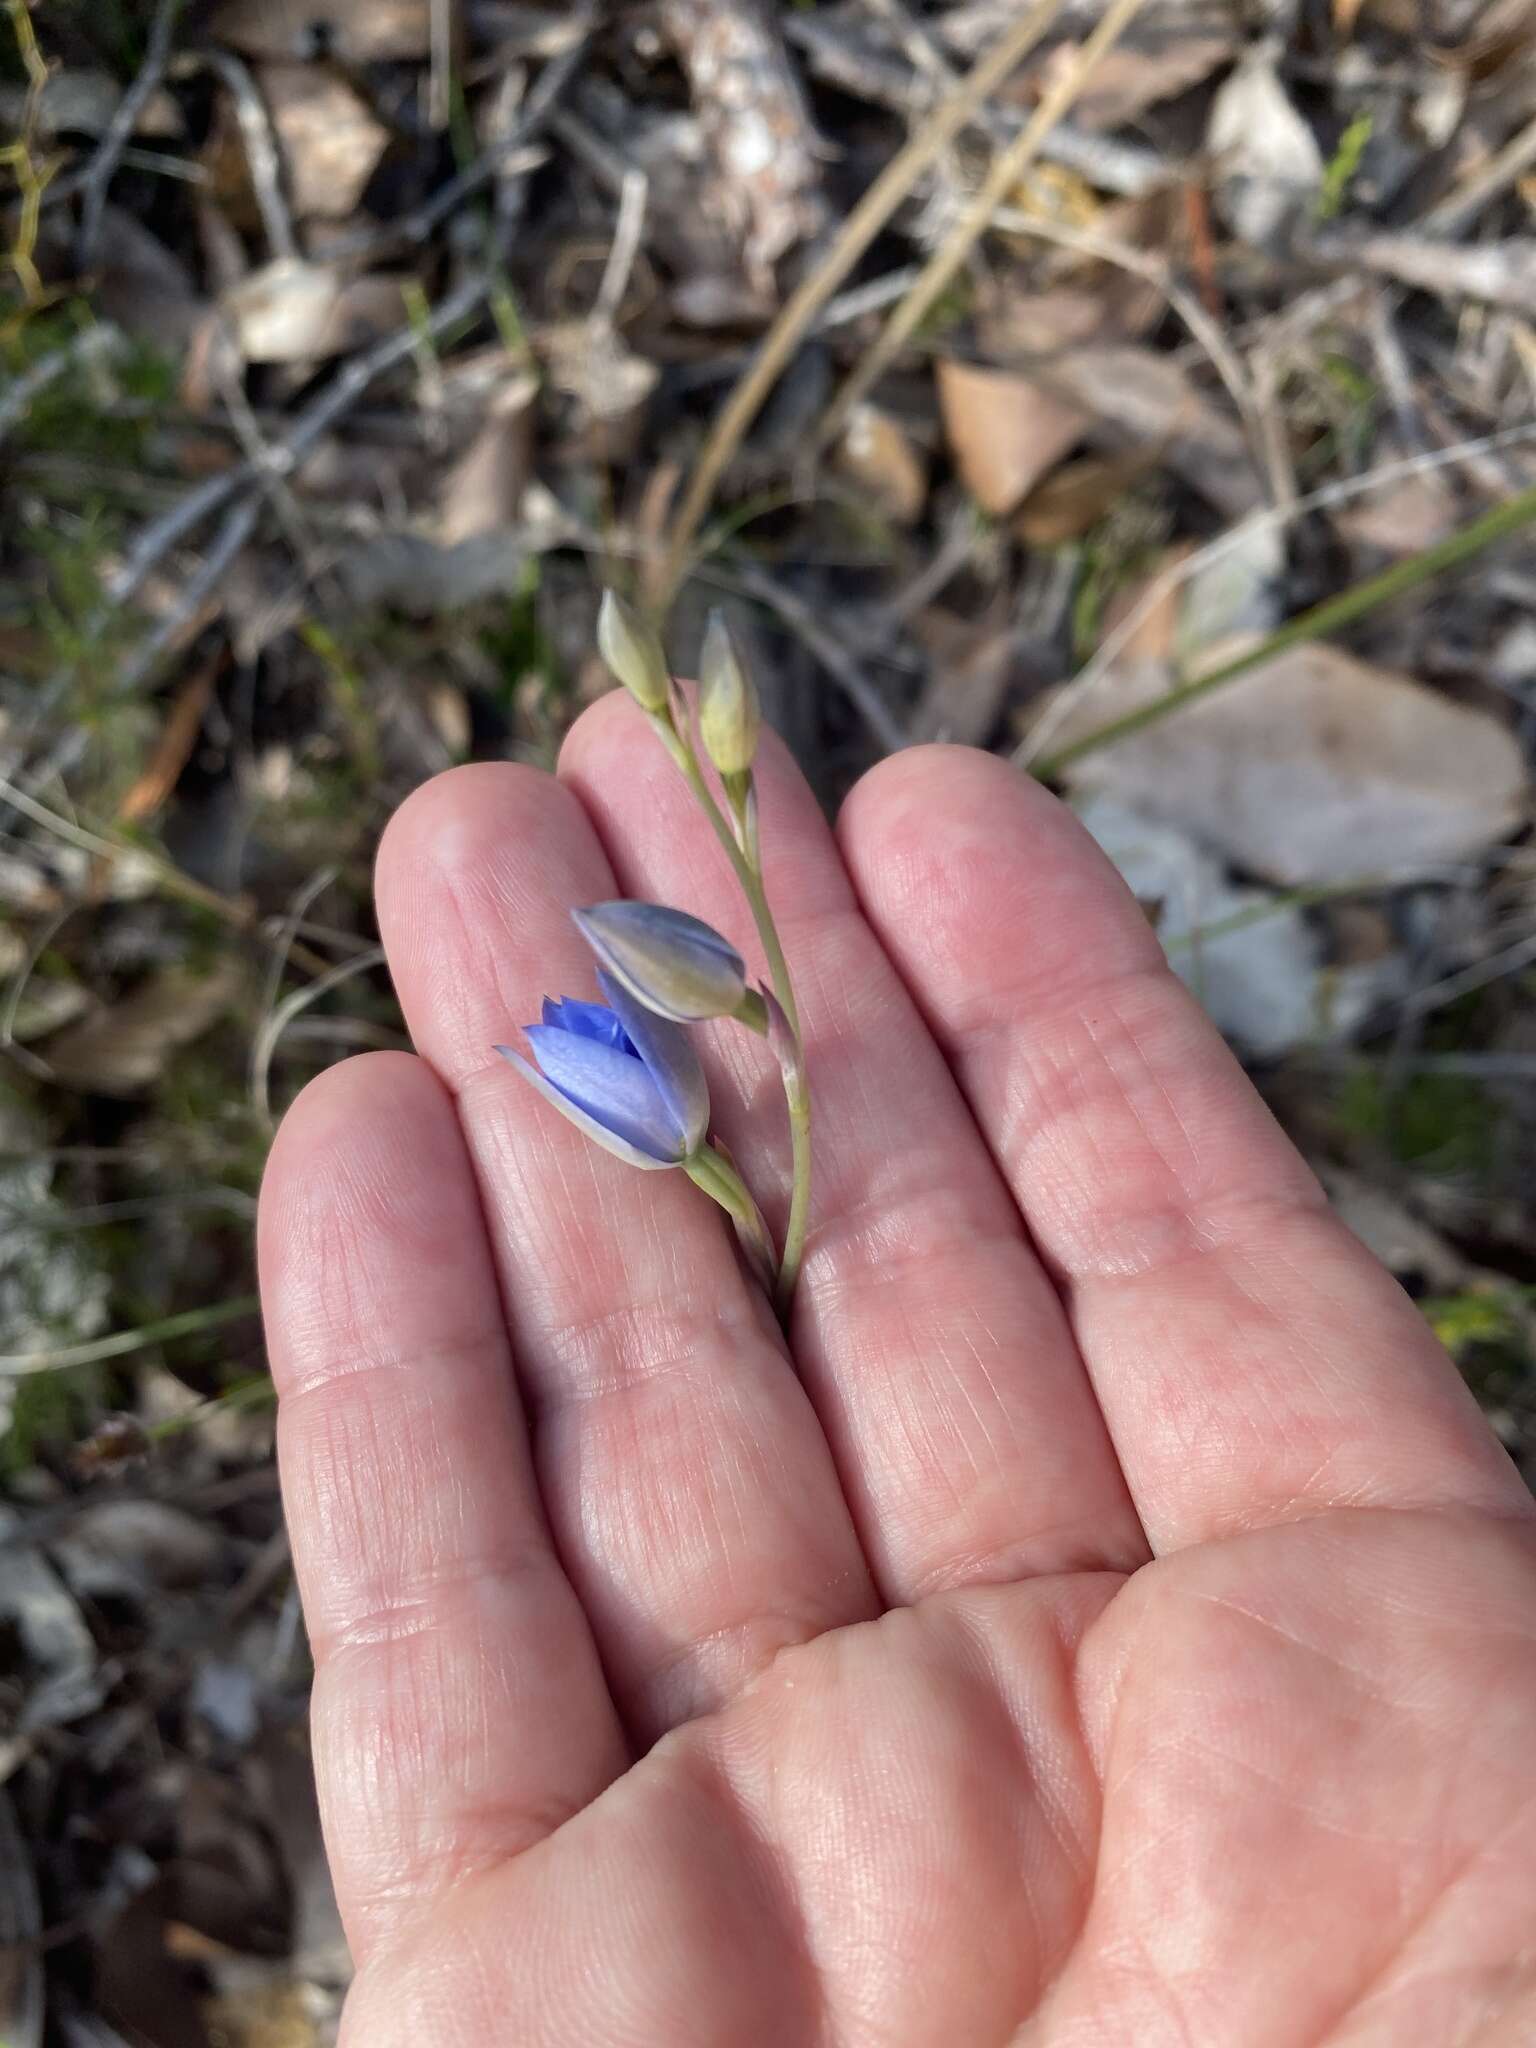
x,y
103,165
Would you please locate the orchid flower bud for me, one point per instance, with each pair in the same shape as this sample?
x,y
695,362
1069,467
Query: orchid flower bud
x,y
730,711
632,649
673,963
630,1080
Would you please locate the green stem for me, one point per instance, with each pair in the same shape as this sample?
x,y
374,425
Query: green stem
x,y
797,1094
1322,619
189,1323
711,1170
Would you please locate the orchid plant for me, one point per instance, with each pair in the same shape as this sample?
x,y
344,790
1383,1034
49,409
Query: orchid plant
x,y
624,1070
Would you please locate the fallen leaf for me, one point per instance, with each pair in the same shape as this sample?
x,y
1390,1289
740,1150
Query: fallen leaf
x,y
1127,79
1269,168
1316,768
1151,399
484,489
412,573
1233,600
1499,273
138,1544
879,455
83,102
142,286
173,749
1078,495
1403,518
756,123
331,143
124,1048
1249,955
1152,639
384,31
1004,431
971,669
291,311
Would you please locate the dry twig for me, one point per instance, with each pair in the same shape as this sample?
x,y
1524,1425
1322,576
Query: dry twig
x,y
103,165
799,311
1004,175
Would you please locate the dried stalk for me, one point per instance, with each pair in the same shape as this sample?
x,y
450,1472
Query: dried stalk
x,y
799,311
1007,168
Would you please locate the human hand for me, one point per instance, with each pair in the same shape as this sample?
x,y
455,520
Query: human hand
x,y
1116,1625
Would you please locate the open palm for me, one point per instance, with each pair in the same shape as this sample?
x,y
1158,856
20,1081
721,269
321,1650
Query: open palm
x,y
1114,1624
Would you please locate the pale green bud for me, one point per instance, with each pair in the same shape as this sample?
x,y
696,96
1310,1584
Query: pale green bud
x,y
633,650
673,963
730,712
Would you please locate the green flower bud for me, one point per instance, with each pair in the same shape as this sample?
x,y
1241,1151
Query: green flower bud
x,y
632,649
673,963
730,712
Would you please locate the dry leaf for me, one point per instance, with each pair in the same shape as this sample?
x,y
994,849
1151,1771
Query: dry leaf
x,y
1405,517
1269,167
331,142
290,311
879,456
1153,638
1077,496
1004,431
1499,273
971,667
1316,768
1127,80
1151,399
81,102
484,489
1262,983
125,1048
378,32
173,749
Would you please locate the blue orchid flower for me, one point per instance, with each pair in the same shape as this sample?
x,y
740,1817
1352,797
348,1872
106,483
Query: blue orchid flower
x,y
629,1079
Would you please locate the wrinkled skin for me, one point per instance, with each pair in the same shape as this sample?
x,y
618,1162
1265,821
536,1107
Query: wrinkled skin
x,y
1115,1626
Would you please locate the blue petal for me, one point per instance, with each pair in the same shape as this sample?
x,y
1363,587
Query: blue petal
x,y
669,1059
614,1088
619,1147
585,1020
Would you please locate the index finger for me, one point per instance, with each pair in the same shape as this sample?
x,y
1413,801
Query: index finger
x,y
1253,1361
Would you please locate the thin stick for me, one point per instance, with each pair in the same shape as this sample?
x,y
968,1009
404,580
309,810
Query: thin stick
x,y
1007,168
263,157
1322,619
857,232
1461,206
266,1041
103,165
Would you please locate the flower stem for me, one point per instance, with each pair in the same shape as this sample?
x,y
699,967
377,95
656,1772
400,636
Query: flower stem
x,y
711,1169
797,1094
